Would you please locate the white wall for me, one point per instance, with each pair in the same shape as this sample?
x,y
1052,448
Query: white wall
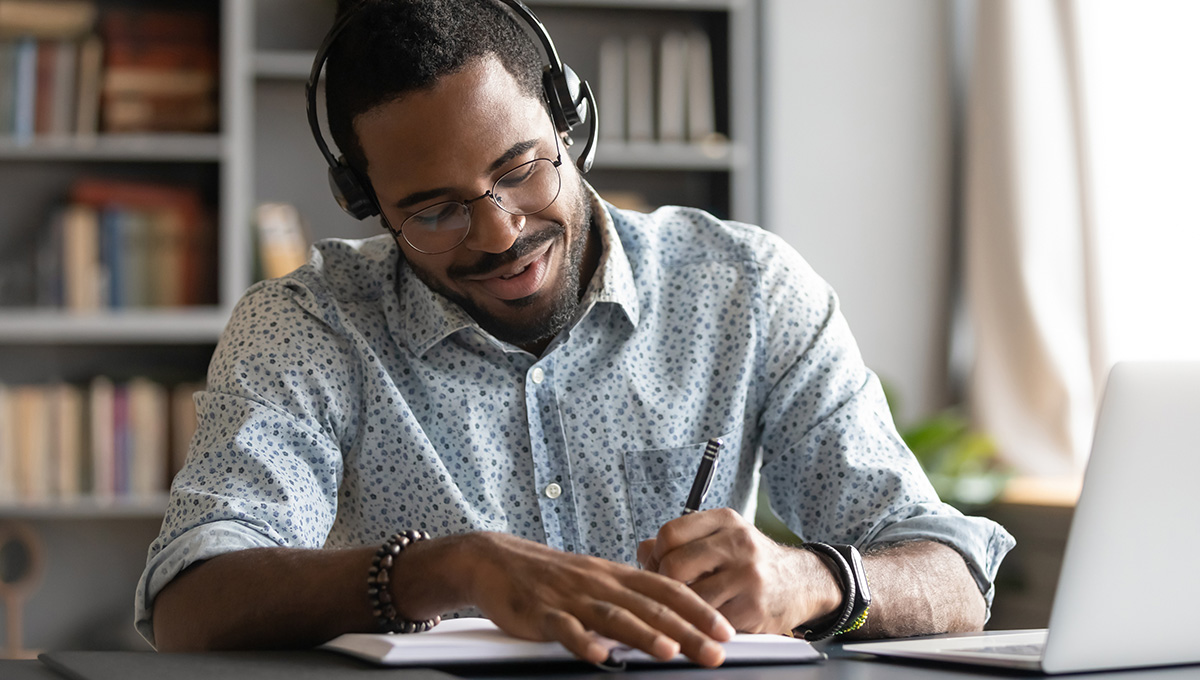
x,y
857,165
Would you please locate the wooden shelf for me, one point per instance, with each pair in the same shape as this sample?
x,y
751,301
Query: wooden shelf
x,y
87,507
146,147
142,326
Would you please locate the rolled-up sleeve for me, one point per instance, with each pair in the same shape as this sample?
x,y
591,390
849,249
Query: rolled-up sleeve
x,y
264,465
834,465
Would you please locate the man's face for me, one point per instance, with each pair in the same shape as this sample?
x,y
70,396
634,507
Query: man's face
x,y
518,276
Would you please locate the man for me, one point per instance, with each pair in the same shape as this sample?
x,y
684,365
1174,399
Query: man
x,y
530,375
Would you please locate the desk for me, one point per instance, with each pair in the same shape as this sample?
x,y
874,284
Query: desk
x,y
840,666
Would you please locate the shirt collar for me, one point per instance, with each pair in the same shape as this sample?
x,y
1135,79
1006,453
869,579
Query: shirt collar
x,y
425,318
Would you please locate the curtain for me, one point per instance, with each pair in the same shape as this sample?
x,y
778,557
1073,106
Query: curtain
x,y
1029,267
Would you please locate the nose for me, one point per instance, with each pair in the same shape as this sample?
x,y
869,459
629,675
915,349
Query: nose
x,y
492,229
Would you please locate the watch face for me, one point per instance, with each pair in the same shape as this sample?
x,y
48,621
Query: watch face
x,y
860,573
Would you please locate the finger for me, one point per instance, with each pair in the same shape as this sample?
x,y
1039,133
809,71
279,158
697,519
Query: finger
x,y
693,560
644,551
718,588
688,639
615,621
683,603
568,631
691,527
682,530
745,615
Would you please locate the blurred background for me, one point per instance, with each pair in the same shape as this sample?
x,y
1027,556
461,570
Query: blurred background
x,y
1003,194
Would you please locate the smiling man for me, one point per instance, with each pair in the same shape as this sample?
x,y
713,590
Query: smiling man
x,y
498,406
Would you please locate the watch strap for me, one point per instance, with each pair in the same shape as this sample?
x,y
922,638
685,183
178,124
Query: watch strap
x,y
846,563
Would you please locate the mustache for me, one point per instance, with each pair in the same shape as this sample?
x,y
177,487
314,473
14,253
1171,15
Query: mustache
x,y
520,248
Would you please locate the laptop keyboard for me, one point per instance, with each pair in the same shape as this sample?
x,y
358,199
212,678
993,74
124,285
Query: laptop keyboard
x,y
1010,650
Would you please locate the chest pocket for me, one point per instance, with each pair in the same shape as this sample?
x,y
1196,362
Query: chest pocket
x,y
659,481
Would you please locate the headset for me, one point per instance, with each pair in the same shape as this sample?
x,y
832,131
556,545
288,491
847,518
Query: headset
x,y
570,101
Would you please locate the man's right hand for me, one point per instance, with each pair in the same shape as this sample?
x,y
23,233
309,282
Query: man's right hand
x,y
535,592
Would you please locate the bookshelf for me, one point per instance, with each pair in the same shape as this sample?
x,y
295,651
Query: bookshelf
x,y
260,151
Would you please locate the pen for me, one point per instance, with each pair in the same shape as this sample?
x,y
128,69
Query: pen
x,y
704,477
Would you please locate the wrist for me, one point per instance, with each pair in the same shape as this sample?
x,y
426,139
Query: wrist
x,y
826,593
428,578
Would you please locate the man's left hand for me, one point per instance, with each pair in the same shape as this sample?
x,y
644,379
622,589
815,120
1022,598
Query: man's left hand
x,y
759,585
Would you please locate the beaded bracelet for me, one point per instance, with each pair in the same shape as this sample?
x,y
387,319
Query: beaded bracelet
x,y
378,579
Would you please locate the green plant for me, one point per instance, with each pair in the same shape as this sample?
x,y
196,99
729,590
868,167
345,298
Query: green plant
x,y
960,461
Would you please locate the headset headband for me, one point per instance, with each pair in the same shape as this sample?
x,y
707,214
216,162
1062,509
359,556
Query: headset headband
x,y
570,101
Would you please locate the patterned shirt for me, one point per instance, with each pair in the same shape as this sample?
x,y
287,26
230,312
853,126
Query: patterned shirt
x,y
347,401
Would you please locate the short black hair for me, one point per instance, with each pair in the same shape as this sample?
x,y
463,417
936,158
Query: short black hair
x,y
393,47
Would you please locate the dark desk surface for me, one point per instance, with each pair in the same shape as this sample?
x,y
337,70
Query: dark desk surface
x,y
300,665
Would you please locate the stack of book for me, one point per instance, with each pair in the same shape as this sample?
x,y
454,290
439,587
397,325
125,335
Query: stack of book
x,y
119,244
106,439
670,104
160,72
50,68
69,69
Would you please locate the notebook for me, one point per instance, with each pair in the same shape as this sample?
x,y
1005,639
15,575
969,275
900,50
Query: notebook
x,y
479,641
1128,591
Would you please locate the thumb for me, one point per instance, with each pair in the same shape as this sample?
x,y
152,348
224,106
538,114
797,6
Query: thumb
x,y
645,554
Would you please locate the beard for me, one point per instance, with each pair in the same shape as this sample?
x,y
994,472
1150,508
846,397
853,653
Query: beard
x,y
562,302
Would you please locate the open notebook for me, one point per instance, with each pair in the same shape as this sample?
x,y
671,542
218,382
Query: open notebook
x,y
478,641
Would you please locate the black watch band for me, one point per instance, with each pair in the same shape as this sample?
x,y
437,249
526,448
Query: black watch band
x,y
847,564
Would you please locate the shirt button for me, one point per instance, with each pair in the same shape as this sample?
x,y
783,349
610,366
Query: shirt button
x,y
553,490
538,375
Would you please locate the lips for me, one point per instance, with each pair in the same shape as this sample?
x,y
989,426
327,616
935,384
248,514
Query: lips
x,y
519,279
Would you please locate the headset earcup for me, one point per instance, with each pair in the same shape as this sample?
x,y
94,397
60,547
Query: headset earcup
x,y
565,95
350,193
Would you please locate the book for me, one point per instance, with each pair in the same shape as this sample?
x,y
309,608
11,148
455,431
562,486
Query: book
x,y
25,90
32,420
100,432
67,461
479,641
148,415
43,93
160,71
701,106
672,81
183,423
282,245
8,445
83,282
46,18
612,88
87,95
168,257
63,82
639,55
8,85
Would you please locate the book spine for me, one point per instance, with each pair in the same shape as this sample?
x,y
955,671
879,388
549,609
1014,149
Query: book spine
x,y
25,104
8,86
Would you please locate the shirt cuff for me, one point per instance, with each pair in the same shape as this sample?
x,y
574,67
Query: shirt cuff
x,y
195,545
981,542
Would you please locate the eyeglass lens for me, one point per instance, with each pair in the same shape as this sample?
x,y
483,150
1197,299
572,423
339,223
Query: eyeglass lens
x,y
526,189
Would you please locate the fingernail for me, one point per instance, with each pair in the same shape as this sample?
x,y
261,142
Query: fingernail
x,y
665,648
596,653
724,629
712,652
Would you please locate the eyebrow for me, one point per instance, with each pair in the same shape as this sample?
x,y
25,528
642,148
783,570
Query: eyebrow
x,y
513,151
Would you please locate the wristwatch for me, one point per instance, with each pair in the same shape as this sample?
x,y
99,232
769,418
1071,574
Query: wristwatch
x,y
847,564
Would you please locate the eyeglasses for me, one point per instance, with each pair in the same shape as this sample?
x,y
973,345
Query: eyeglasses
x,y
526,189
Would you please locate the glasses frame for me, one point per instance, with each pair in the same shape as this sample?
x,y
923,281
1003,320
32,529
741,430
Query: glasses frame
x,y
490,193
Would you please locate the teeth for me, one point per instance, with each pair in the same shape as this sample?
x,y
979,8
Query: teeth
x,y
522,271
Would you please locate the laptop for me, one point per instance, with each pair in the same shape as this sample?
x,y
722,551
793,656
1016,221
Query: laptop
x,y
1129,588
